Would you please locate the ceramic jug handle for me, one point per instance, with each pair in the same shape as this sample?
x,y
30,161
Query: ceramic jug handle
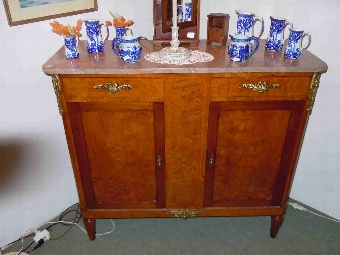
x,y
77,41
262,25
309,40
107,31
287,23
113,45
256,46
128,29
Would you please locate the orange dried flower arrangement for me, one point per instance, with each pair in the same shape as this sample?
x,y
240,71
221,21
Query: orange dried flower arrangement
x,y
118,21
61,29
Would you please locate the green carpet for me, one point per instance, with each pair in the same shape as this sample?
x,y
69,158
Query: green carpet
x,y
300,233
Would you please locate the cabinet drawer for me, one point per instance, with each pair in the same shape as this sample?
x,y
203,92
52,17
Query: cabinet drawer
x,y
287,86
215,34
83,89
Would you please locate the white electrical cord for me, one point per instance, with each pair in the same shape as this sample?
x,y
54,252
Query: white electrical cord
x,y
300,207
66,222
33,230
109,232
28,232
71,223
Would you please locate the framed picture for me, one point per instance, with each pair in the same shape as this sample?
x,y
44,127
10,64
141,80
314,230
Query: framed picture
x,y
26,11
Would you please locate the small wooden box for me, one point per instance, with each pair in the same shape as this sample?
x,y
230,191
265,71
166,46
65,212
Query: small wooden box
x,y
217,28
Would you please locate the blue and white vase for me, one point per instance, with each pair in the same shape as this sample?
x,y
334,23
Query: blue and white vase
x,y
240,48
188,12
294,47
246,22
179,13
276,37
120,32
95,42
130,50
71,46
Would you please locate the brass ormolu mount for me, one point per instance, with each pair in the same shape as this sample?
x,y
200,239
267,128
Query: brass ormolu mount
x,y
314,88
260,86
113,87
184,214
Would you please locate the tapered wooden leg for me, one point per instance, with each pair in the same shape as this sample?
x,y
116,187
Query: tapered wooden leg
x,y
90,225
275,226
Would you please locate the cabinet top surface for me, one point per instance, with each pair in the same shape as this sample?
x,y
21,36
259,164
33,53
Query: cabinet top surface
x,y
109,63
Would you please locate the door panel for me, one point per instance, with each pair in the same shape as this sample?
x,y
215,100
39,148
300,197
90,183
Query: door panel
x,y
246,142
247,161
122,147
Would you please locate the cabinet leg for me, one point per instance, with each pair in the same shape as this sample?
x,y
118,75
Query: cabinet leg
x,y
90,225
275,226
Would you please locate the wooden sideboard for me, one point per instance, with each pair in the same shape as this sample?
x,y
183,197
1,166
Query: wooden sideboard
x,y
209,139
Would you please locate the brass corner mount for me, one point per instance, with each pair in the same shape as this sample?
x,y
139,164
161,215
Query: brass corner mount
x,y
57,91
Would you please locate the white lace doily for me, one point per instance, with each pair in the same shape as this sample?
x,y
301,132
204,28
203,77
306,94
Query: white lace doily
x,y
196,57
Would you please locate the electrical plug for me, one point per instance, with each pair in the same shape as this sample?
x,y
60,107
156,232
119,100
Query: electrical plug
x,y
40,238
44,235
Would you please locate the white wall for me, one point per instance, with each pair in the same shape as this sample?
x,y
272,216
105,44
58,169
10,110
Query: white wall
x,y
36,179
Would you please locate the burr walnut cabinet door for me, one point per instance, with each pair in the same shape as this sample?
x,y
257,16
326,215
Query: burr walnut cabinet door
x,y
249,151
120,152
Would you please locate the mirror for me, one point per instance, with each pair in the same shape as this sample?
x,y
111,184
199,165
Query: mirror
x,y
187,21
186,10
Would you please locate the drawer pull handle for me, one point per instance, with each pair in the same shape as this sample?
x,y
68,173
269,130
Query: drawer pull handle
x,y
159,161
260,86
211,160
112,87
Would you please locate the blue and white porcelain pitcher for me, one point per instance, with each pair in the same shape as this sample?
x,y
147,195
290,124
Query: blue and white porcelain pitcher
x,y
95,42
246,22
129,47
240,48
294,47
276,36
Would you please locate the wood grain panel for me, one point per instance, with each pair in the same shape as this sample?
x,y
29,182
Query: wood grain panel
x,y
160,164
73,153
82,89
74,110
155,213
186,118
214,114
290,152
299,122
249,169
121,155
117,146
247,159
288,86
